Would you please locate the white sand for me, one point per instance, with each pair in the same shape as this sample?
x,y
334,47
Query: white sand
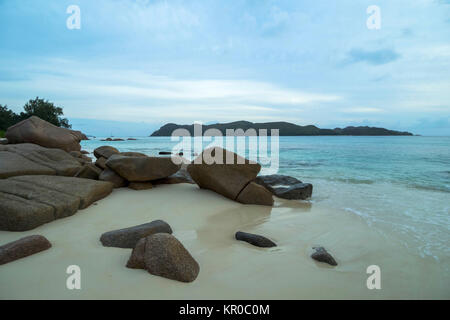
x,y
205,223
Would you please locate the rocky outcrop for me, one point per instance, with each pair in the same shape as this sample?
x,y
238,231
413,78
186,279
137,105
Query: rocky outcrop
x,y
223,171
105,152
321,255
112,177
286,187
254,239
101,163
27,202
163,255
89,171
31,159
23,248
141,169
129,237
40,132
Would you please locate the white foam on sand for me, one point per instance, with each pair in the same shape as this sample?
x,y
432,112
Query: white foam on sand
x,y
229,269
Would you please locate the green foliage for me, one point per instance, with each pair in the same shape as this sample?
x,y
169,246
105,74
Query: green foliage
x,y
7,118
2,134
46,111
38,107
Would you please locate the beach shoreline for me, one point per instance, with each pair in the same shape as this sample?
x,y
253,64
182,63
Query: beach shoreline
x,y
205,223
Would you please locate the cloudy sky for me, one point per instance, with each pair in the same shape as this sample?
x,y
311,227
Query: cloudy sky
x,y
137,64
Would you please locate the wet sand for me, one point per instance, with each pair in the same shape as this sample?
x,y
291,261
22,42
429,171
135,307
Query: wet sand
x,y
229,269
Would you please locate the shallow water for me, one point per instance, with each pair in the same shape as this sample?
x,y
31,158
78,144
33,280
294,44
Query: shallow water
x,y
400,186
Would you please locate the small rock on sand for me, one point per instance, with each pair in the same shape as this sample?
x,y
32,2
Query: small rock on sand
x,y
23,248
322,255
128,237
254,239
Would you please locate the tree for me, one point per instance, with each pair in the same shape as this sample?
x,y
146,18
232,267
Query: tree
x,y
7,118
46,111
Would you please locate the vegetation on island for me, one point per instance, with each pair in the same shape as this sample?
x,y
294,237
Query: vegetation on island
x,y
286,129
41,108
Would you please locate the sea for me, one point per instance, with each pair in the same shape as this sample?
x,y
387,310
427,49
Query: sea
x,y
399,186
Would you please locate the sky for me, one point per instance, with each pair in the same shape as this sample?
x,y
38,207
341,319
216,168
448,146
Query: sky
x,y
135,65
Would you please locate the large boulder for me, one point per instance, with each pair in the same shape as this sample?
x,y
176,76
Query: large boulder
x,y
129,237
181,176
32,159
140,169
89,171
112,177
163,255
105,152
37,131
254,239
223,171
27,202
23,248
286,187
255,194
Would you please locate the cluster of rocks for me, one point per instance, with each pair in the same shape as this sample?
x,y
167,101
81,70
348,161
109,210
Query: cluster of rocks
x,y
44,176
155,249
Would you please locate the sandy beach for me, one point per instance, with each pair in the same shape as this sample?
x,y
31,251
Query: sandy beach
x,y
205,223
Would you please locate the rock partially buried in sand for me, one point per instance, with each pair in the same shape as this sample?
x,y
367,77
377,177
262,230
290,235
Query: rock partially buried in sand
x,y
286,187
105,152
140,186
23,248
40,132
255,194
27,202
163,255
142,169
322,255
27,159
110,176
225,178
254,239
129,237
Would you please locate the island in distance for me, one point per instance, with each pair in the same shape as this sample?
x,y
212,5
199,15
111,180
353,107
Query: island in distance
x,y
286,129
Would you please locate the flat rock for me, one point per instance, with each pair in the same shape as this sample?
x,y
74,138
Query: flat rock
x,y
286,187
37,131
254,193
227,179
110,176
32,159
254,239
27,202
163,255
321,255
129,237
142,169
23,248
105,152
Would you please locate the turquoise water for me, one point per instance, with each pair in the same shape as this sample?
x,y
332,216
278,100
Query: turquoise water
x,y
398,185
